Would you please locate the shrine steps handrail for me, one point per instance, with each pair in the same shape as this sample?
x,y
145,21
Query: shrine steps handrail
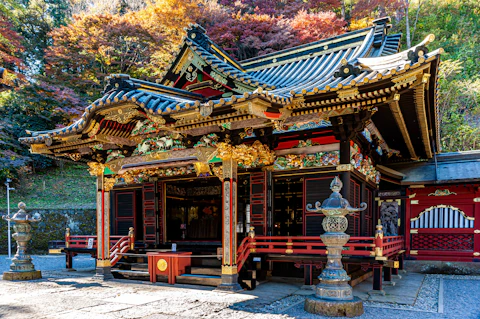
x,y
118,244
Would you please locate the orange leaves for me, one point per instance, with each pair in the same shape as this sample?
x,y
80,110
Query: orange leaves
x,y
93,46
310,27
10,44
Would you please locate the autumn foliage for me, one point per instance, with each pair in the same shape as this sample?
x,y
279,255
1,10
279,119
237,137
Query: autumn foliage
x,y
91,47
10,44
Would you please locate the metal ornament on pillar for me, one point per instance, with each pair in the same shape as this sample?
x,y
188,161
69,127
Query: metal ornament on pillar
x,y
333,295
22,267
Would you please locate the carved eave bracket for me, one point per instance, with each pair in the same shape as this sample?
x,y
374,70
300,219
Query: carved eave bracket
x,y
187,116
263,109
346,126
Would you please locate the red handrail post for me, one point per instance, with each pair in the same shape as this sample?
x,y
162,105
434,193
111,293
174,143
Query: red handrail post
x,y
131,236
379,242
67,238
251,241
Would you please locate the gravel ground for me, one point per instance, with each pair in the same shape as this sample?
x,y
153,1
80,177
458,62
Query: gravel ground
x,y
52,262
76,295
460,301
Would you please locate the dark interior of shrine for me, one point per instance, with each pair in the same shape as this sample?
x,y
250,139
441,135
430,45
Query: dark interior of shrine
x,y
194,210
288,206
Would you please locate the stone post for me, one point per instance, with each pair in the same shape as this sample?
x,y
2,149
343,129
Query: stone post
x,y
22,267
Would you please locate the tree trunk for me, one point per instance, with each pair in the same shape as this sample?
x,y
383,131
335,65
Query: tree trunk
x,y
420,3
407,23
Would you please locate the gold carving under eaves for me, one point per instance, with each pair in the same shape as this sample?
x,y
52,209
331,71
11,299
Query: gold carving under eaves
x,y
442,192
157,119
74,156
202,169
95,169
218,171
94,130
187,116
347,93
39,149
149,175
108,184
122,116
247,156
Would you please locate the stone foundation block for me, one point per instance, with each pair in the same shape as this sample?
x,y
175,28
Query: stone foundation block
x,y
24,275
349,308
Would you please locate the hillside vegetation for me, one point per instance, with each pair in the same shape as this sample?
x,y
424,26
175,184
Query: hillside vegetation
x,y
67,187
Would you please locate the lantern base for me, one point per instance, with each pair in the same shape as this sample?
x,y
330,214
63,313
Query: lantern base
x,y
22,275
344,308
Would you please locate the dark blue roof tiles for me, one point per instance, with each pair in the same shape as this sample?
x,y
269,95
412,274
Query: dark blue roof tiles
x,y
148,101
225,68
391,44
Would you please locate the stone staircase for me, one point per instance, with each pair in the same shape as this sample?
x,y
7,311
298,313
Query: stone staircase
x,y
204,271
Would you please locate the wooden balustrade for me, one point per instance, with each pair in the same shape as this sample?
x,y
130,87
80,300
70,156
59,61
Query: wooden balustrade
x,y
382,247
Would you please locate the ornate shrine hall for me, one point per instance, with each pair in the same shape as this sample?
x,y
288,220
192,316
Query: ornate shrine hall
x,y
220,158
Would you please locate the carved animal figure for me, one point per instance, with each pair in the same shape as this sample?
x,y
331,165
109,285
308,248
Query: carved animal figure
x,y
144,148
168,142
138,126
160,145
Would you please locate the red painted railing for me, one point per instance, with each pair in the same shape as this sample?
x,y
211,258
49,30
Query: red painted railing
x,y
381,247
118,244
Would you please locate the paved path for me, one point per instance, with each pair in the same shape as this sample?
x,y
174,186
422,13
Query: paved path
x,y
51,262
77,295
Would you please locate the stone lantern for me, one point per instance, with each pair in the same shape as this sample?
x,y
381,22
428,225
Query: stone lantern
x,y
22,267
333,295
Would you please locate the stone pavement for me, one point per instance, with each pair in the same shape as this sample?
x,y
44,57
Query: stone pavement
x,y
404,291
76,295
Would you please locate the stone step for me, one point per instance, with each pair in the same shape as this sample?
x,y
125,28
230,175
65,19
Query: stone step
x,y
139,266
206,271
206,262
131,274
203,280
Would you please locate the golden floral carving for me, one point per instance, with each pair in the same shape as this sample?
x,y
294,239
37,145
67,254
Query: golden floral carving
x,y
108,184
218,171
74,156
122,116
247,156
202,169
96,169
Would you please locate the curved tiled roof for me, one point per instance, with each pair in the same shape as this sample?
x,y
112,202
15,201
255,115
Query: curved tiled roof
x,y
151,102
279,77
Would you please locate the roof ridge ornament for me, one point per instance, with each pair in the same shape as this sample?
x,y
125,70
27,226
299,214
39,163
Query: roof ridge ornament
x,y
347,69
198,34
419,52
117,82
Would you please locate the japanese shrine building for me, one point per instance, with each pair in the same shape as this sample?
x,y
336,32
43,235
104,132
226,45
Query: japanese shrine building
x,y
218,146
